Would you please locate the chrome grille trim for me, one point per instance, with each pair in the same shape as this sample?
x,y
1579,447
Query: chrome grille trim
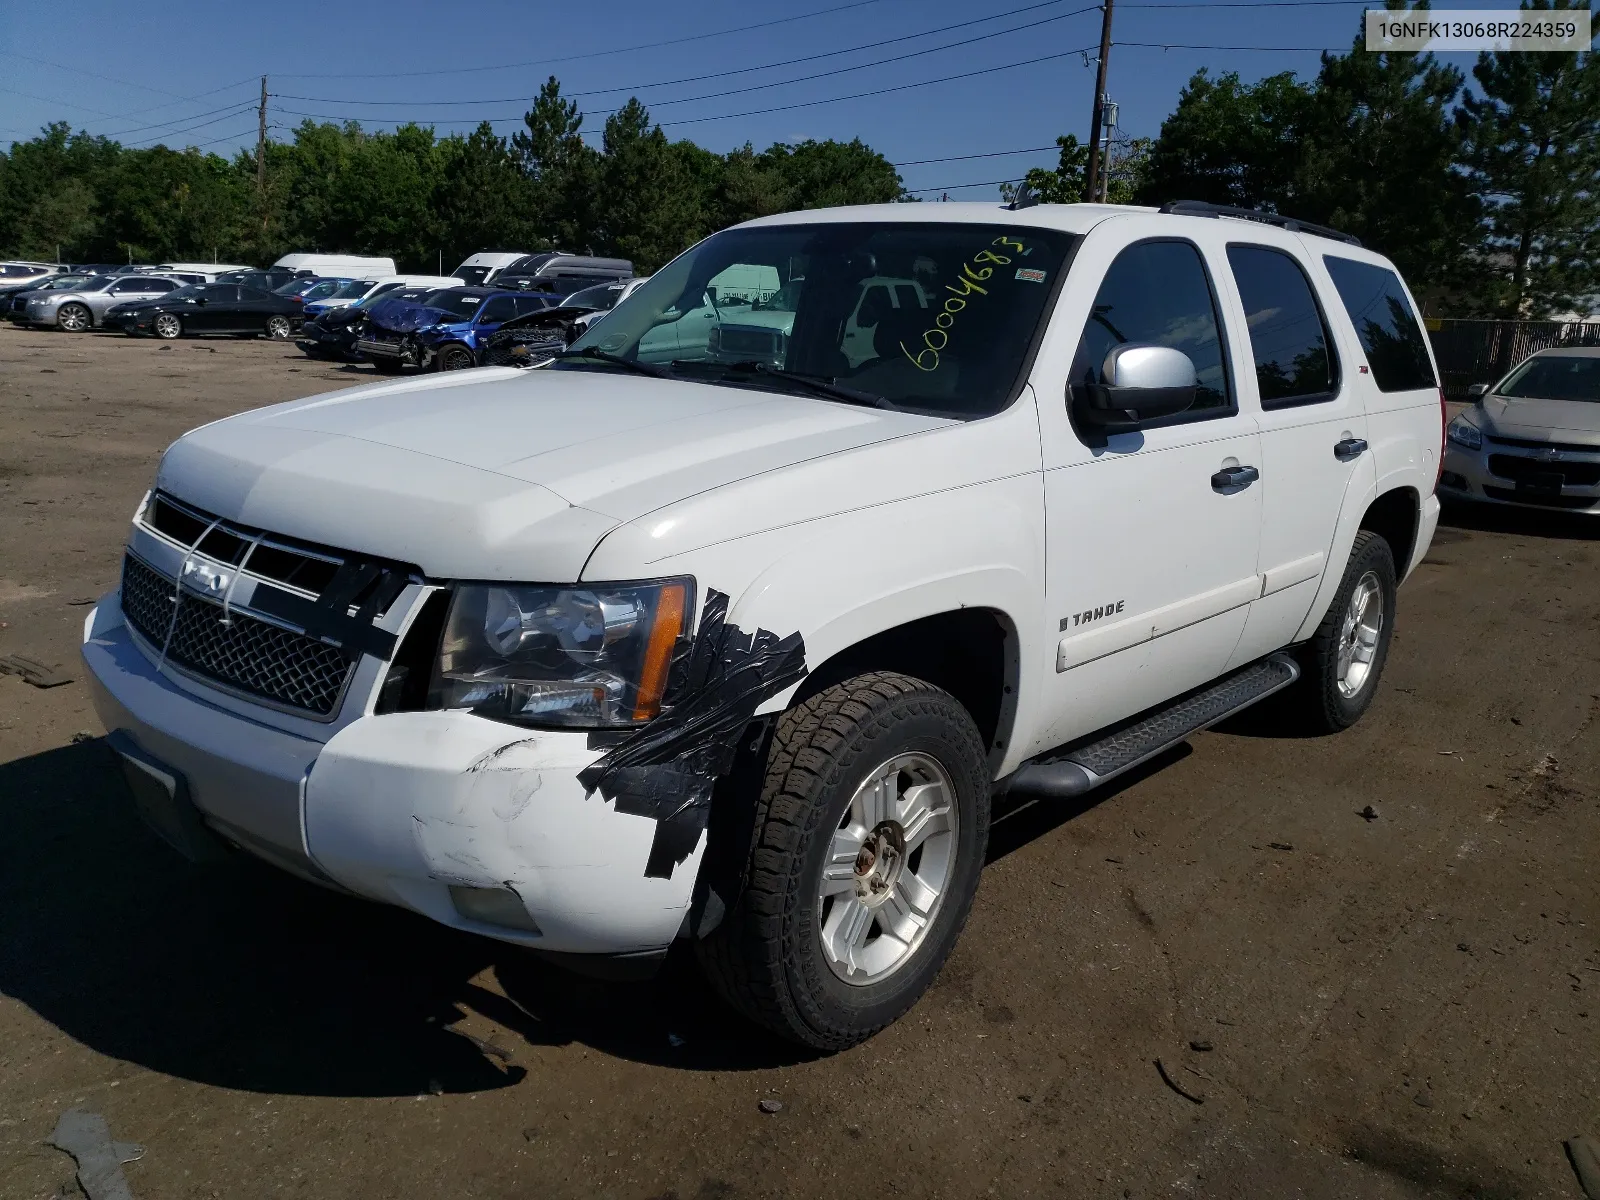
x,y
256,659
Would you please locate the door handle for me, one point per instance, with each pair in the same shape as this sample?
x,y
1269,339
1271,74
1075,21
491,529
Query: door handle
x,y
1234,479
1350,449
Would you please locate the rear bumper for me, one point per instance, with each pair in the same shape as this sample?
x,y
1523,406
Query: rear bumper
x,y
425,810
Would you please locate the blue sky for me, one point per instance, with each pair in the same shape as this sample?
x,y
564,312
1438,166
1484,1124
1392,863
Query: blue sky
x,y
187,73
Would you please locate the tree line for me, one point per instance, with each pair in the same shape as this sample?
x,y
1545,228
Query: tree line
x,y
413,195
1487,197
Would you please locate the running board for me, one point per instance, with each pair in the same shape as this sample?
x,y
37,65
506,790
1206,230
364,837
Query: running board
x,y
1060,776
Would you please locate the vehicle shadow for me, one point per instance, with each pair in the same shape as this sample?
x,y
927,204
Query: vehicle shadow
x,y
243,977
1489,518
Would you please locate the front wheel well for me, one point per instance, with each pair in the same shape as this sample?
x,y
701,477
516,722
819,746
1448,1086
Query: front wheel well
x,y
970,653
1395,516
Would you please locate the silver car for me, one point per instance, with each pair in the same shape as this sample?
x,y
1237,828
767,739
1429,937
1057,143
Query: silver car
x,y
1533,439
85,307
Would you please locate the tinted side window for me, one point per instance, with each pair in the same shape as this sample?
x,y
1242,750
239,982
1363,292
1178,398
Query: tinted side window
x,y
253,295
1396,349
531,304
1288,336
500,308
1157,293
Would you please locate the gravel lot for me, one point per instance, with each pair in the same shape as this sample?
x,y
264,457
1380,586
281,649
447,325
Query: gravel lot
x,y
1405,1006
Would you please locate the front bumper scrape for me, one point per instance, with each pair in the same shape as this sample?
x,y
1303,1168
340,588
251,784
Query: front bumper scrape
x,y
404,807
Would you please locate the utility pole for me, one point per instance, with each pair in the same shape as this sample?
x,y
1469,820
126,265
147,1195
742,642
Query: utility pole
x,y
261,147
1091,174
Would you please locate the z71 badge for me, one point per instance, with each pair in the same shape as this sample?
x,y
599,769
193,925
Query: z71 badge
x,y
1098,613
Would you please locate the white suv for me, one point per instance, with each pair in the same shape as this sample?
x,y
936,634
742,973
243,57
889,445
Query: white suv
x,y
599,656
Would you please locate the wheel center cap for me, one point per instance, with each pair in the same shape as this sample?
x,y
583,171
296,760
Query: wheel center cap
x,y
879,862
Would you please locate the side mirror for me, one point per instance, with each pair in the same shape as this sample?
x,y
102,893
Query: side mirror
x,y
1141,383
200,300
1478,389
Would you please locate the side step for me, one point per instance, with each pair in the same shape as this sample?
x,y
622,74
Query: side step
x,y
1062,775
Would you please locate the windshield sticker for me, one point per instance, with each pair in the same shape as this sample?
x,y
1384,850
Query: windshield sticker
x,y
1030,275
973,274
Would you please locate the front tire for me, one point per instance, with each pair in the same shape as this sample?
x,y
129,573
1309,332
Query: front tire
x,y
869,841
167,327
74,318
1344,659
454,358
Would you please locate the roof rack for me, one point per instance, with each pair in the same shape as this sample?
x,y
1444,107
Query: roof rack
x,y
1200,208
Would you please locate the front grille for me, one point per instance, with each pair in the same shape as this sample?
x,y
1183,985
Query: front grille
x,y
242,652
1573,502
1530,444
1514,466
751,341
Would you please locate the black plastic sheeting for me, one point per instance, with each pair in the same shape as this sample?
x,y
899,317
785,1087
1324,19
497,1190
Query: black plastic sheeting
x,y
328,616
668,769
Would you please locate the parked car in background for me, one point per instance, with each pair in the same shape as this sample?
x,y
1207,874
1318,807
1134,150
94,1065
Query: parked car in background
x,y
85,307
600,299
209,308
351,266
1533,438
203,272
16,303
269,279
479,270
93,268
14,276
560,274
360,289
443,331
298,289
333,334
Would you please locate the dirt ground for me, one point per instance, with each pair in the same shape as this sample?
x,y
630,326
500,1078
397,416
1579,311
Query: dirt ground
x,y
1400,1007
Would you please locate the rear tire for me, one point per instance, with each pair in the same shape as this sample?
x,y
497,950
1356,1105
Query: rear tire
x,y
846,914
278,328
1344,659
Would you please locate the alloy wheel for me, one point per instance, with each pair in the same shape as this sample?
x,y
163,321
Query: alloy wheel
x,y
888,868
1359,633
74,318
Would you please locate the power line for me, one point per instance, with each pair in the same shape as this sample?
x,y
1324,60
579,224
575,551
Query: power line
x,y
1274,49
543,62
759,67
956,187
757,112
236,111
922,162
178,120
58,103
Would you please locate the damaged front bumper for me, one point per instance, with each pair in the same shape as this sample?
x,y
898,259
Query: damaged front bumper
x,y
479,825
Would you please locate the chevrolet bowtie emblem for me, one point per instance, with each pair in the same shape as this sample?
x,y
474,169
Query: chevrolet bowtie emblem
x,y
204,577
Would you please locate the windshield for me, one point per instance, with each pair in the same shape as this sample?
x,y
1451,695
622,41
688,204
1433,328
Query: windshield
x,y
324,289
353,290
472,275
61,283
600,297
932,317
1554,377
461,304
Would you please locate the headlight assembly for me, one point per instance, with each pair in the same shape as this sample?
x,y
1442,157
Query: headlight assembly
x,y
594,657
1465,434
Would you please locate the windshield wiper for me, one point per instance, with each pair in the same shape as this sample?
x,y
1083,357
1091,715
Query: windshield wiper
x,y
605,356
821,384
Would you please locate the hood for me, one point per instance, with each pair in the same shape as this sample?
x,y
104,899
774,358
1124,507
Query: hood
x,y
1543,420
402,316
501,473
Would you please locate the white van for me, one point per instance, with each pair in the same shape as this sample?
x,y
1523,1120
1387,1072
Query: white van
x,y
203,272
343,266
480,269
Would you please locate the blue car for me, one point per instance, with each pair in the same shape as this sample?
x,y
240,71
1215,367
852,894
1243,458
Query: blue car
x,y
445,332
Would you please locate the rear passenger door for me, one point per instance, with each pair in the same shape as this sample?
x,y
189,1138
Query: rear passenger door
x,y
1313,431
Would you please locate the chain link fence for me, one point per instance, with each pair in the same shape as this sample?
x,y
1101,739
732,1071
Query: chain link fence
x,y
1472,351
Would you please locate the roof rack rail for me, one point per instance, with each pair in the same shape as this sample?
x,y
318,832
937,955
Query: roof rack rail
x,y
1200,208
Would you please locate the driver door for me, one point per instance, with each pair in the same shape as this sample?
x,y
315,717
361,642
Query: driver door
x,y
1152,534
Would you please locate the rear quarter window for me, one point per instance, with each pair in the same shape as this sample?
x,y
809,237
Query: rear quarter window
x,y
1390,334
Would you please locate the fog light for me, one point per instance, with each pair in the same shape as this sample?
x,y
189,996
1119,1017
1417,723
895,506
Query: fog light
x,y
493,906
1456,483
